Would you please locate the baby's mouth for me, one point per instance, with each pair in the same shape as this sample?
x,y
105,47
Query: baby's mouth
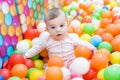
x,y
58,34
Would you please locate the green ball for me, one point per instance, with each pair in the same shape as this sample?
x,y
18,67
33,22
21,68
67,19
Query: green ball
x,y
106,45
34,6
14,78
29,71
89,28
112,73
41,2
96,15
37,1
42,10
35,14
35,57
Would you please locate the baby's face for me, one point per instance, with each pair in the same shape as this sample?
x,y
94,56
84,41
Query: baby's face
x,y
58,27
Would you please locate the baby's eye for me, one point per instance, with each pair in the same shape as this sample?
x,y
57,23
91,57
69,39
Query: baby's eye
x,y
53,27
61,25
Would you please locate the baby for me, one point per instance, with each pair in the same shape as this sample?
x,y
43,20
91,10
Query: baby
x,y
57,40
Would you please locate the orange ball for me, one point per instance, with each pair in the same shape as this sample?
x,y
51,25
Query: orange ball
x,y
105,52
116,44
99,61
82,51
107,37
55,61
100,31
78,31
54,73
111,28
107,14
19,70
44,53
104,22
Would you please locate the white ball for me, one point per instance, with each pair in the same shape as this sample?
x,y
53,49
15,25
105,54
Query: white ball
x,y
35,41
80,65
24,27
95,22
75,23
22,18
66,73
5,7
41,27
73,13
77,79
23,46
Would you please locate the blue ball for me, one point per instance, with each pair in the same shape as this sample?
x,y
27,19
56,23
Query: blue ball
x,y
1,77
95,40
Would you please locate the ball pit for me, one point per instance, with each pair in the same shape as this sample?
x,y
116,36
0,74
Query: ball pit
x,y
95,21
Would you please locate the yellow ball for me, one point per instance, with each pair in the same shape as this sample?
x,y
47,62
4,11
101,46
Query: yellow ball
x,y
100,74
115,58
36,74
113,3
29,42
82,26
85,37
92,6
39,64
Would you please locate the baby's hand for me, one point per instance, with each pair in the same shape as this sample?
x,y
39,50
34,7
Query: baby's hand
x,y
94,50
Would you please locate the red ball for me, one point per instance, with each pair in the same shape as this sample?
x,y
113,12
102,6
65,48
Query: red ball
x,y
92,73
29,63
15,59
6,73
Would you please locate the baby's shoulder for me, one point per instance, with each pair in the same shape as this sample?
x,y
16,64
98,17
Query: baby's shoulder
x,y
44,35
73,35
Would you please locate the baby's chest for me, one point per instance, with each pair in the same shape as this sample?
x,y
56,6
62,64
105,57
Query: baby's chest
x,y
58,46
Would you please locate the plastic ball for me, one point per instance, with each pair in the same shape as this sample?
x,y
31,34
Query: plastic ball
x,y
78,64
1,77
104,22
44,53
83,51
5,7
22,18
11,30
54,73
35,74
2,17
55,61
8,19
106,45
3,51
13,10
41,27
66,73
115,44
39,64
99,31
75,23
14,78
29,71
107,37
105,52
115,58
15,59
19,70
99,61
89,28
85,37
10,50
92,73
112,73
5,73
100,74
15,21
22,46
29,63
95,40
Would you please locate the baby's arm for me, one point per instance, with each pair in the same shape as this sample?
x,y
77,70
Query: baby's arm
x,y
78,41
38,47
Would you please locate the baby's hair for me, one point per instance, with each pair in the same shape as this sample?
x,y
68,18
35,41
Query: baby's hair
x,y
53,13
